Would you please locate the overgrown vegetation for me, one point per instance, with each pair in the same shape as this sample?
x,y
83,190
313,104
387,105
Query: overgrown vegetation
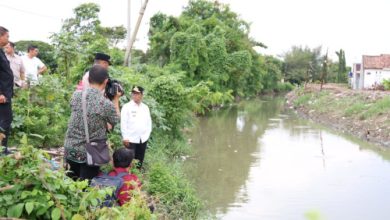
x,y
31,189
353,106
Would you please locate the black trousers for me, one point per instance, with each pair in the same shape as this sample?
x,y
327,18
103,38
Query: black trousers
x,y
81,171
5,121
139,150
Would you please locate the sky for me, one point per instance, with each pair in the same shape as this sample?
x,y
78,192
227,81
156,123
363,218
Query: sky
x,y
358,27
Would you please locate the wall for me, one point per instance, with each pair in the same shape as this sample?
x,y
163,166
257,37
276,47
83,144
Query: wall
x,y
374,77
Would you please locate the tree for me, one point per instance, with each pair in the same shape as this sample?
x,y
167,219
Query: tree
x,y
324,70
113,34
301,62
81,37
211,44
342,68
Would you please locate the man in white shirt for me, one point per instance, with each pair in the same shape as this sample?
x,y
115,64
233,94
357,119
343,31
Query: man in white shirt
x,y
33,64
136,124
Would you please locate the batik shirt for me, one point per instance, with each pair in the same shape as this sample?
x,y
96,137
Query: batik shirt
x,y
100,111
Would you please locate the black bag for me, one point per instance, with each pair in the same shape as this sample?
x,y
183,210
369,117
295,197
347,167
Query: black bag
x,y
98,152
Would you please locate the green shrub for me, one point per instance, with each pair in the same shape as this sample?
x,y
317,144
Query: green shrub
x,y
42,112
355,109
35,191
284,87
386,84
302,100
377,108
174,192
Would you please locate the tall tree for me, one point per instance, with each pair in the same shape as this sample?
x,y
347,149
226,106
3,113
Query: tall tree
x,y
342,68
324,72
80,37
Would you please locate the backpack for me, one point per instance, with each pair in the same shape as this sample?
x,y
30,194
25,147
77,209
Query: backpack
x,y
115,182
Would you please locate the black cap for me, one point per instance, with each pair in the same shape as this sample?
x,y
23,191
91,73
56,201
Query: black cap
x,y
138,89
103,56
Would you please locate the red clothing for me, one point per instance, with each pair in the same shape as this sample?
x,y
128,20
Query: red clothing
x,y
130,182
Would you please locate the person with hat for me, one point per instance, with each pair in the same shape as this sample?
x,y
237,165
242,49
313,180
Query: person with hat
x,y
101,59
136,124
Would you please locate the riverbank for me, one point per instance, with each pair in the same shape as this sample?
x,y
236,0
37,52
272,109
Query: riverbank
x,y
362,113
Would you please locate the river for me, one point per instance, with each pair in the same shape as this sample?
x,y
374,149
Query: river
x,y
255,160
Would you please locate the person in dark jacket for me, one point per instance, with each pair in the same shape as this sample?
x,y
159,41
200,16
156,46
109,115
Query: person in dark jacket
x,y
6,90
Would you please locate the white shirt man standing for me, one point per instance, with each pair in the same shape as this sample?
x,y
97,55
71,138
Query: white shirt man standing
x,y
136,124
16,64
33,65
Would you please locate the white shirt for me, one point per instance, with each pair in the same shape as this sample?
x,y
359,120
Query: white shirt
x,y
136,123
32,65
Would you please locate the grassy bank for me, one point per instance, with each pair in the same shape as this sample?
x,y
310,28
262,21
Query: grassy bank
x,y
361,113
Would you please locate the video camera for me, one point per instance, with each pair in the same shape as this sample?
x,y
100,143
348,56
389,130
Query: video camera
x,y
112,88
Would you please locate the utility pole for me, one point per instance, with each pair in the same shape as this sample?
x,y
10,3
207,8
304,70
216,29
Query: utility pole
x,y
131,42
128,54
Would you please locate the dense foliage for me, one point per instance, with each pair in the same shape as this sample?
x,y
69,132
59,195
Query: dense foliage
x,y
210,43
303,64
31,189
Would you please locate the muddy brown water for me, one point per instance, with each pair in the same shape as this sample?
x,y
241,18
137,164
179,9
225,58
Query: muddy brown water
x,y
256,160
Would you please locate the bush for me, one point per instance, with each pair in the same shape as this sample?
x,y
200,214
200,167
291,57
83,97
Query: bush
x,y
173,190
42,112
284,87
30,189
386,84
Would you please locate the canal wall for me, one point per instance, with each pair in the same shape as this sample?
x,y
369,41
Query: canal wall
x,y
362,113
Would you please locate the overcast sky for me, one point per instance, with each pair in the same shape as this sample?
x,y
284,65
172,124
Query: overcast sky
x,y
360,27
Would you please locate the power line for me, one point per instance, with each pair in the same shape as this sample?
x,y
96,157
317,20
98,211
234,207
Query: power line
x,y
29,12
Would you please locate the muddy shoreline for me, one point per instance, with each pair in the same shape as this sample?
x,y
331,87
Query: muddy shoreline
x,y
375,129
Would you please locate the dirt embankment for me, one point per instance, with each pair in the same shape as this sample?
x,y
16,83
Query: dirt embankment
x,y
363,113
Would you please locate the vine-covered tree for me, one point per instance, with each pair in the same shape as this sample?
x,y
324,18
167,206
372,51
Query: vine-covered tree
x,y
210,43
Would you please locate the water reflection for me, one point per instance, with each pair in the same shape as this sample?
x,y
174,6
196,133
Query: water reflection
x,y
226,143
255,161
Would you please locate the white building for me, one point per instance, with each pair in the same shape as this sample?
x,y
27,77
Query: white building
x,y
372,71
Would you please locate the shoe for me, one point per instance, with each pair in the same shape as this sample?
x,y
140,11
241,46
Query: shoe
x,y
6,151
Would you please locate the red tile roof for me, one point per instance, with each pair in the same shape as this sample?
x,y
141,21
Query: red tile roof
x,y
376,62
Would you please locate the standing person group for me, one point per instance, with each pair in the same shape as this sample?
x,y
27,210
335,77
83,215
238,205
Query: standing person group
x,y
101,115
13,70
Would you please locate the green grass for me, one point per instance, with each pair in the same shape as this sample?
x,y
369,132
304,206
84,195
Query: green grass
x,y
302,100
380,107
355,109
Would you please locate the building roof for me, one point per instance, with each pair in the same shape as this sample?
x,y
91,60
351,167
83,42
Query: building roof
x,y
376,62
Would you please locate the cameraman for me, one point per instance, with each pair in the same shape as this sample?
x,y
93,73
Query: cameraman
x,y
100,111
